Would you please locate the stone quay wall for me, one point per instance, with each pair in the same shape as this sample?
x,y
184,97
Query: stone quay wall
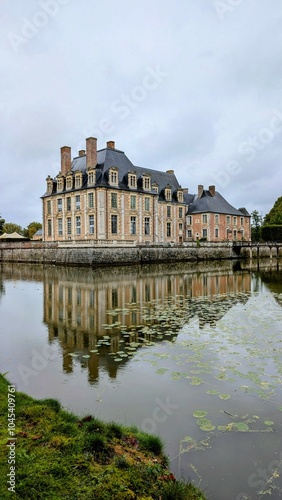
x,y
89,255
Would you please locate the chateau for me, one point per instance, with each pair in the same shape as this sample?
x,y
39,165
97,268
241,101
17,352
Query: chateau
x,y
101,196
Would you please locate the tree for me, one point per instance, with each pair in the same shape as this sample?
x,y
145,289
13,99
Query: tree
x,y
256,225
2,222
32,228
274,217
11,227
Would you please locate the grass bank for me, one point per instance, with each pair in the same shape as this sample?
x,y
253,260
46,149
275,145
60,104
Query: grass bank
x,y
58,455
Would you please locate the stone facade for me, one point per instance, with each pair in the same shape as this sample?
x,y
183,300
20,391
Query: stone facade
x,y
100,196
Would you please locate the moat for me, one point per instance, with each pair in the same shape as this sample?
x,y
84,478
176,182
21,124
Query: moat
x,y
189,352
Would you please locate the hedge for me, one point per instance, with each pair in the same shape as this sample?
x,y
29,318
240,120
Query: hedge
x,y
272,233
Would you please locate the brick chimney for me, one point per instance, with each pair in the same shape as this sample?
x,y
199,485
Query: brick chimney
x,y
91,152
170,172
65,159
212,190
200,190
81,152
185,190
111,144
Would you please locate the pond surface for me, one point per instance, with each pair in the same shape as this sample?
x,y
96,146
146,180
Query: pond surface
x,y
192,353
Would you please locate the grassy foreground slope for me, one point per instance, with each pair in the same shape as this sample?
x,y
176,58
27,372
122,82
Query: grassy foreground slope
x,y
60,456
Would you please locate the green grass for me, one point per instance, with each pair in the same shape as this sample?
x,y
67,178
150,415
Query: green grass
x,y
60,456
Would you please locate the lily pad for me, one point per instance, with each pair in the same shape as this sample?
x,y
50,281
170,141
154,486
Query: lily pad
x,y
268,422
200,413
224,396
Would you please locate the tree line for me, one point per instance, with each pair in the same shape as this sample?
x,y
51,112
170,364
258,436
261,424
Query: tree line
x,y
11,227
268,228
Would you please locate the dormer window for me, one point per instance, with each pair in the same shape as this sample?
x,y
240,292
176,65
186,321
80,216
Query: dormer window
x,y
60,184
91,178
146,183
155,187
49,184
113,176
132,181
180,196
69,181
78,180
168,193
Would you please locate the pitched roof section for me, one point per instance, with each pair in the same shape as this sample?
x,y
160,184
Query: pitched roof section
x,y
109,157
215,204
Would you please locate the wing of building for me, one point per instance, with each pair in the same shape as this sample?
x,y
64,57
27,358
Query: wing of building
x,y
101,196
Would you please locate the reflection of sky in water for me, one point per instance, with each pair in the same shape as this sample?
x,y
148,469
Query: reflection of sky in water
x,y
215,347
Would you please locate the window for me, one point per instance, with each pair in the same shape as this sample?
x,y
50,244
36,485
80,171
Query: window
x,y
48,206
205,218
69,226
78,225
168,211
168,229
180,212
132,225
235,221
180,196
114,200
132,180
90,200
180,226
114,297
242,221
69,182
146,183
216,232
78,180
147,225
216,219
77,202
60,204
168,193
205,233
227,219
147,204
60,185
91,224
113,177
189,220
49,185
60,227
189,233
68,203
133,202
235,234
91,178
49,227
114,222
155,188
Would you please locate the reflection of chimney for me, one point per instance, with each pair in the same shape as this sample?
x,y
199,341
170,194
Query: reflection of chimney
x,y
91,152
200,190
111,144
65,159
81,152
212,190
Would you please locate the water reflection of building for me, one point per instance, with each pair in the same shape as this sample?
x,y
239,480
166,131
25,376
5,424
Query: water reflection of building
x,y
80,307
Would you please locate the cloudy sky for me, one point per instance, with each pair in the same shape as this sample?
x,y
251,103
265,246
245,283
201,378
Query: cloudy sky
x,y
189,85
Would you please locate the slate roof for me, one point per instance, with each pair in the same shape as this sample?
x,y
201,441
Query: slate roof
x,y
215,204
108,157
